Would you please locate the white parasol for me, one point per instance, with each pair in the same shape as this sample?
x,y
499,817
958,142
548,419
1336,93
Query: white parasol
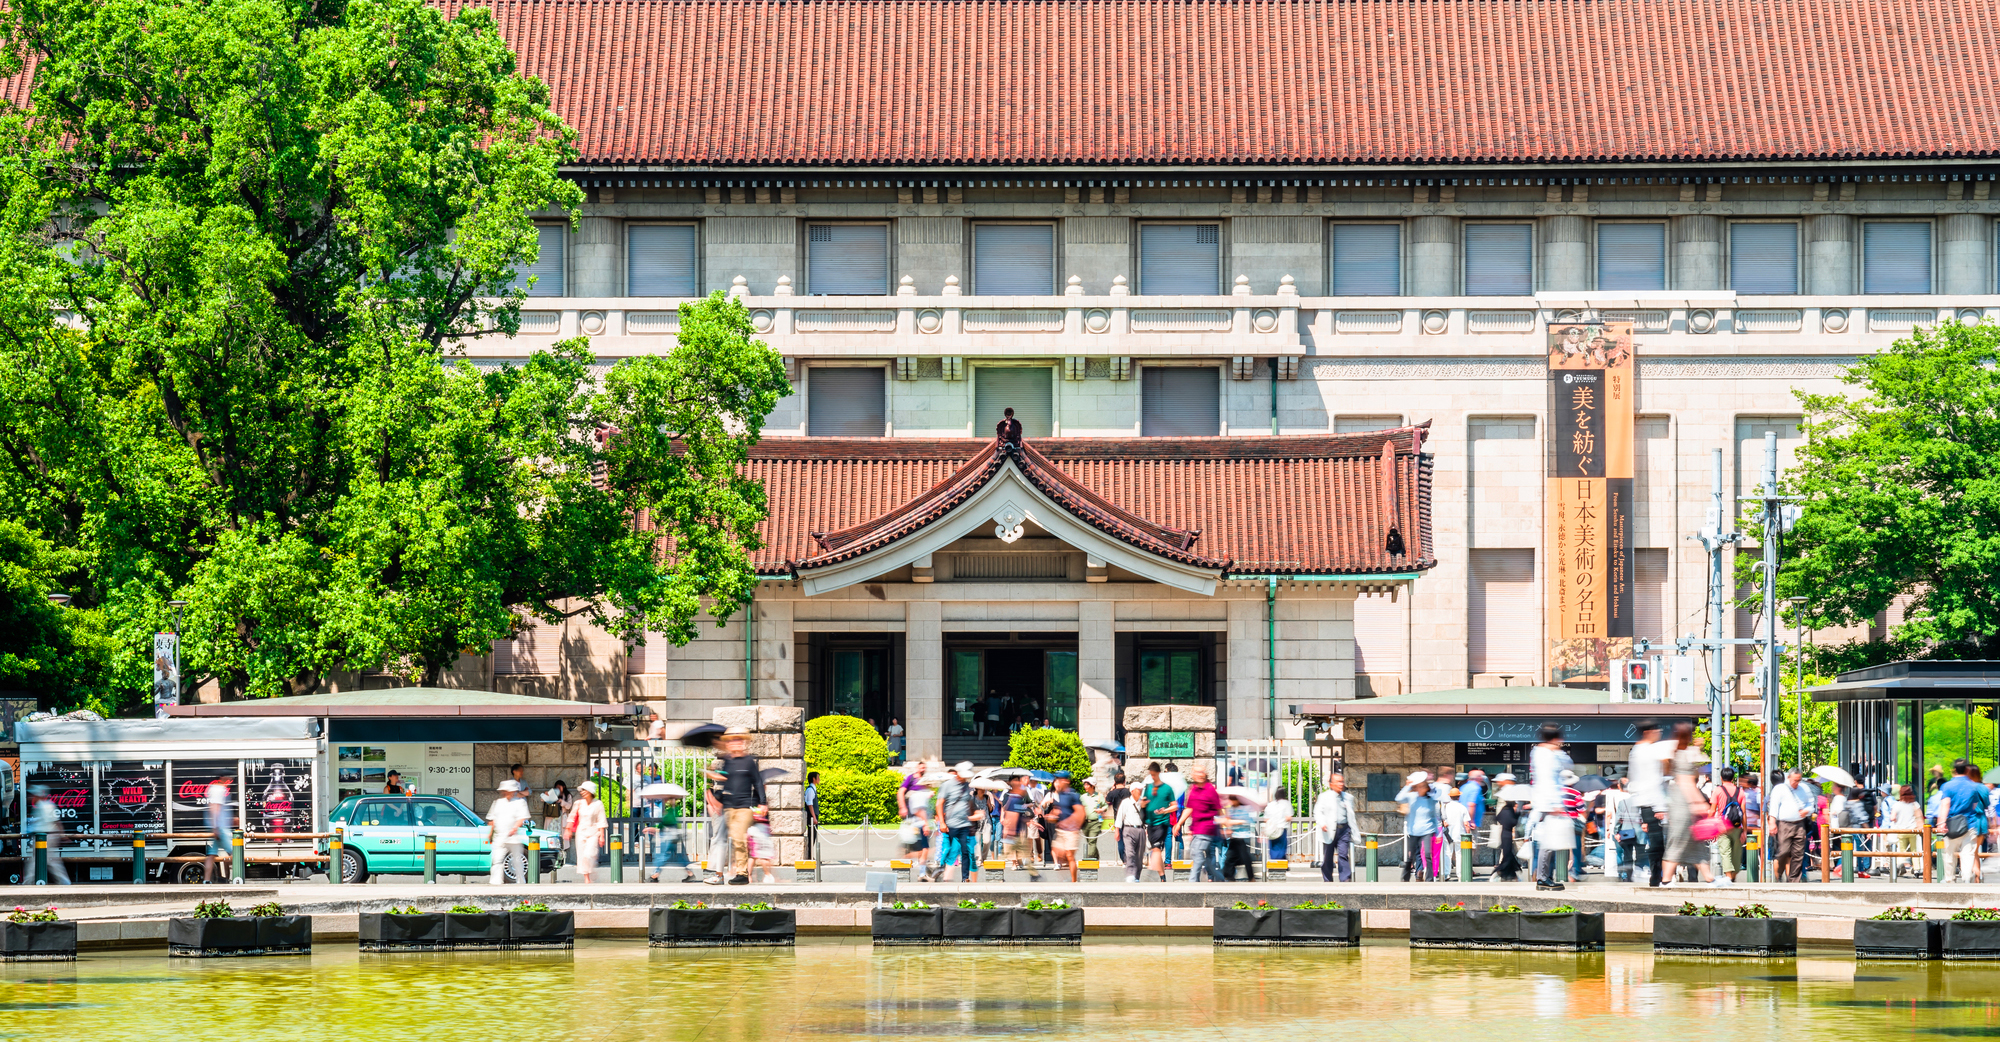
x,y
1835,775
661,791
1250,796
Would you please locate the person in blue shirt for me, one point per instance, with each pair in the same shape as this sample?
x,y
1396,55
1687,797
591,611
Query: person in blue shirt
x,y
1420,823
1473,795
1962,819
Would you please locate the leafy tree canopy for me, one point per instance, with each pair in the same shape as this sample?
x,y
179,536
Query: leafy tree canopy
x,y
242,245
1900,485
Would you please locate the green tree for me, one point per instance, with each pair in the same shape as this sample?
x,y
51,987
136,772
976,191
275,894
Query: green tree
x,y
54,652
1900,485
1807,741
241,246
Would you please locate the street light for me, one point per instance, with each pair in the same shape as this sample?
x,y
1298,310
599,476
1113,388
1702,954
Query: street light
x,y
60,600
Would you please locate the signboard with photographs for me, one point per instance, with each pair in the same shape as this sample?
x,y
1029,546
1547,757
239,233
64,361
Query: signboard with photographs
x,y
440,770
132,796
277,795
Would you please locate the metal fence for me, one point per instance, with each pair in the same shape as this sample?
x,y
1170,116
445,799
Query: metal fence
x,y
622,769
1261,764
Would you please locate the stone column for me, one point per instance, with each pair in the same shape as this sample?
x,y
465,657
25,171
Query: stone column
x,y
1565,253
1433,257
1697,252
923,679
1247,667
1830,254
1142,721
1965,253
774,651
778,741
1096,671
594,269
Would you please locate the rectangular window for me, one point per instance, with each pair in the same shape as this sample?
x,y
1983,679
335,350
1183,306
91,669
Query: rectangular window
x,y
660,260
1631,256
547,268
1014,260
1503,623
848,260
845,403
1170,677
1060,686
1649,594
1499,260
1764,258
1027,390
1180,402
1180,259
1896,257
1367,260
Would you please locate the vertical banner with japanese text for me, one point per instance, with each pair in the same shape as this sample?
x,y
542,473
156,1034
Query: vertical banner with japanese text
x,y
1588,579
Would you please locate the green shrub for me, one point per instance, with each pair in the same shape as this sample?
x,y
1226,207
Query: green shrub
x,y
1049,749
844,743
214,910
1301,781
846,796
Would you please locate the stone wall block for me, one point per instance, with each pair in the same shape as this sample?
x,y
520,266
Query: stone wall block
x,y
788,823
792,745
575,754
766,746
781,718
786,797
1192,718
737,716
544,753
1148,718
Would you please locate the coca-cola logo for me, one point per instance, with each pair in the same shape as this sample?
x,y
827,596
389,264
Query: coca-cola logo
x,y
71,799
191,790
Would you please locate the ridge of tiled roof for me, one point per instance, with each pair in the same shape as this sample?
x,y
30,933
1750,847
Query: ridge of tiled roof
x,y
1174,544
731,83
1294,504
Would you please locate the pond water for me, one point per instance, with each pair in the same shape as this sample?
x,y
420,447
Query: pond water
x,y
836,991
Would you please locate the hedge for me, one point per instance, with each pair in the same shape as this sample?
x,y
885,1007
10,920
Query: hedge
x,y
1049,749
845,796
844,743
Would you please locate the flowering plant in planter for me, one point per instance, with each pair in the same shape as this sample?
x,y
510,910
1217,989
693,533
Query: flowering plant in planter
x,y
1900,913
1976,915
755,906
1709,911
1331,906
405,910
268,908
1561,910
685,905
1503,909
526,906
1036,904
1752,912
911,906
967,902
1245,906
22,915
1459,907
466,909
214,910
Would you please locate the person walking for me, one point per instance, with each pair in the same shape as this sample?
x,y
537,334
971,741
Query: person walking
x,y
1905,813
218,809
1685,805
1420,825
1473,795
1132,846
1454,825
507,834
668,848
1648,789
1017,824
742,784
1159,800
1789,812
1727,798
45,820
1578,810
1096,813
1506,820
1240,820
1199,826
1334,825
1962,819
1064,819
556,805
1555,830
586,829
1277,826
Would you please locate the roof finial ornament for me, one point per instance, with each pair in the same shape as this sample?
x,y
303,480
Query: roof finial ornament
x,y
1008,430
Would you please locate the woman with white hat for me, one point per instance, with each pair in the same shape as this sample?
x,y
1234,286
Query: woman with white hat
x,y
588,826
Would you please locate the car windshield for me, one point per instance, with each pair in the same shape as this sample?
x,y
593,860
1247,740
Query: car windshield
x,y
345,810
440,814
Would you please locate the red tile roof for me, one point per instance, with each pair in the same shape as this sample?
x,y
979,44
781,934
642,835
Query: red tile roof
x,y
839,82
1310,504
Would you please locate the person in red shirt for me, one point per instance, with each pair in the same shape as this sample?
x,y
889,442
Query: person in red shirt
x,y
1198,824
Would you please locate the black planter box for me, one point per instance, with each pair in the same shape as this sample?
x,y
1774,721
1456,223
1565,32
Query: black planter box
x,y
1973,939
541,929
38,942
472,931
905,925
211,937
768,926
1463,929
285,934
1725,935
1561,931
1732,936
1246,926
388,932
976,924
690,927
1048,925
1321,926
1898,938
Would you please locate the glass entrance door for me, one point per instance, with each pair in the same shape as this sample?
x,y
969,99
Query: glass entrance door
x,y
858,684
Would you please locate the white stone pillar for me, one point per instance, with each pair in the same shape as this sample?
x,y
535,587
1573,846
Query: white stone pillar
x,y
774,651
923,678
1433,257
1965,250
1246,667
1096,670
1830,254
594,270
1697,252
1565,253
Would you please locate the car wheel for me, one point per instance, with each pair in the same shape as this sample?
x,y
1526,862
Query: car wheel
x,y
189,873
353,867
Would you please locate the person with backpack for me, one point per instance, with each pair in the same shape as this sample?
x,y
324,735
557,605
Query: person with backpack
x,y
1728,801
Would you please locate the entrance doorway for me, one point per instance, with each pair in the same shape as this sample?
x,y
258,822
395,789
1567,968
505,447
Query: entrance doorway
x,y
999,683
860,676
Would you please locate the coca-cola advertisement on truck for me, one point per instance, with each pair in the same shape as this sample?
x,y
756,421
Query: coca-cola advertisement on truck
x,y
68,784
132,796
190,780
278,795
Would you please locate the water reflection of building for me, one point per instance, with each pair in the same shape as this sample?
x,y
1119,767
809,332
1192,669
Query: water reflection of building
x,y
1899,720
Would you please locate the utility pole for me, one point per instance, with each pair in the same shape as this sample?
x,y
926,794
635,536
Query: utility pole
x,y
1779,517
1715,535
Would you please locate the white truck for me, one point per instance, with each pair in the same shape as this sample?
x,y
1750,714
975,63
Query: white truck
x,y
113,779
